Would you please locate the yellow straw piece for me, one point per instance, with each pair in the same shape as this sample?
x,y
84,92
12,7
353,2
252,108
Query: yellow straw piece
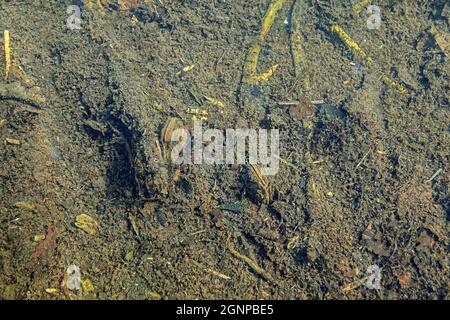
x,y
250,73
360,6
263,76
442,40
348,40
269,17
360,52
393,84
7,54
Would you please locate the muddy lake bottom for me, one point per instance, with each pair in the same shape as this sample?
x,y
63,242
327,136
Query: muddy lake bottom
x,y
92,207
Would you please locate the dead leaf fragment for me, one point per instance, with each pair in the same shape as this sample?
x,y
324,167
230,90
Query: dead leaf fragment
x,y
404,279
87,224
303,110
374,241
87,285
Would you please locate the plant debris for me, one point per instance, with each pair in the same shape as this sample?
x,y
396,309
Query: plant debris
x,y
7,47
251,75
87,224
425,240
404,279
262,182
12,141
171,125
303,110
253,265
374,241
87,285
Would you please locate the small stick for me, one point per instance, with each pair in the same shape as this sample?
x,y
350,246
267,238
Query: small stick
x,y
434,176
253,265
363,158
288,103
34,107
294,103
198,232
286,162
354,285
218,274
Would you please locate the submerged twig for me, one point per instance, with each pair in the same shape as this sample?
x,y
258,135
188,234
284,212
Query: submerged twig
x,y
253,265
363,158
434,176
23,92
218,274
296,38
37,108
354,285
354,46
262,182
